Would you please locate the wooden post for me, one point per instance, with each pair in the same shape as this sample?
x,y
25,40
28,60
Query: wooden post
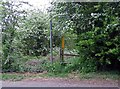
x,y
62,50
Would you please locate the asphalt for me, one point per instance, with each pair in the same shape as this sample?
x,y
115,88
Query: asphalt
x,y
57,82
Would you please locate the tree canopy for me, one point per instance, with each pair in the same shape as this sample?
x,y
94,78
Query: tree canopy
x,y
94,25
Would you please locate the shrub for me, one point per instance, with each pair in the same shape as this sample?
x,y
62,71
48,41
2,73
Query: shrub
x,y
102,46
72,65
55,67
81,64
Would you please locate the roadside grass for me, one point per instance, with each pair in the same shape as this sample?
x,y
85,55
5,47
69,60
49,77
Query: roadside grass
x,y
49,75
100,75
81,76
13,77
20,76
74,75
17,76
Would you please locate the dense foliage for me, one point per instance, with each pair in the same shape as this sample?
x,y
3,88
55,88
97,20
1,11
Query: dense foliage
x,y
97,26
91,29
24,32
35,38
10,17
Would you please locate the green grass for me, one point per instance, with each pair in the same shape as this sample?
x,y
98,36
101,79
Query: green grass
x,y
100,75
19,77
49,75
13,77
95,75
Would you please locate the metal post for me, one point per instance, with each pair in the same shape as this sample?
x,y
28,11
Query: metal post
x,y
51,55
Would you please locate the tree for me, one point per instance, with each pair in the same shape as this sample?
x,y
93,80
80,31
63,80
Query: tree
x,y
35,34
10,24
97,28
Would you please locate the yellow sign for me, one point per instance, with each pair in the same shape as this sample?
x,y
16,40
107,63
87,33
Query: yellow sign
x,y
63,42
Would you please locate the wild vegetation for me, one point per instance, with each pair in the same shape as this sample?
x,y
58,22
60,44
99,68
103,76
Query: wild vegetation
x,y
92,30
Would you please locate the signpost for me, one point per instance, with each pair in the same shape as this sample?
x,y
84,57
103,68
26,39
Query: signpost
x,y
51,55
62,49
51,48
62,42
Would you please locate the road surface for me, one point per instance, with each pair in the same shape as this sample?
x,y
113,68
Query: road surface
x,y
60,82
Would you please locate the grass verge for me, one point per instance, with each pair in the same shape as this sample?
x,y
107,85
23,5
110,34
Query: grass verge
x,y
100,75
48,75
20,76
95,75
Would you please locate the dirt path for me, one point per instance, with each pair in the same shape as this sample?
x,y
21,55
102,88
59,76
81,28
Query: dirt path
x,y
60,82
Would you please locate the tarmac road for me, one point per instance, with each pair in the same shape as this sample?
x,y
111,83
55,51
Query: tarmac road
x,y
60,82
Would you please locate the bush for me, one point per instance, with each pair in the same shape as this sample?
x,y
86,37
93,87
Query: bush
x,y
56,67
88,65
73,65
37,67
81,64
102,46
12,64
